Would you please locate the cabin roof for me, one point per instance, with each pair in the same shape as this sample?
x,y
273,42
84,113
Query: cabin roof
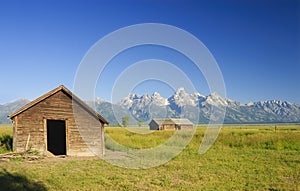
x,y
181,121
172,121
52,92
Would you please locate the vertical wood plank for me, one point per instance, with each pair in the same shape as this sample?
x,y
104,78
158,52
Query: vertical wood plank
x,y
45,133
67,136
15,130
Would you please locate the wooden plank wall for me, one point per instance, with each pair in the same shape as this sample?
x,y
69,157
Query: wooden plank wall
x,y
59,107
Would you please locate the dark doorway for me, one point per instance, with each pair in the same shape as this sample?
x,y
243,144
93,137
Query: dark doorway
x,y
56,137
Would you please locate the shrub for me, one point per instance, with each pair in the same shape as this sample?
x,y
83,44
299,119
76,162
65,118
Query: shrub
x,y
6,142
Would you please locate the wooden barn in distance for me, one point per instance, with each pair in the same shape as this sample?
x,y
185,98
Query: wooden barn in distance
x,y
47,124
170,124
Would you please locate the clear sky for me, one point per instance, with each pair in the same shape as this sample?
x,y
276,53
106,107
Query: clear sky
x,y
256,44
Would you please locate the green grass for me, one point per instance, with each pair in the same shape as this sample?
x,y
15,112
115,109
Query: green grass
x,y
5,139
248,158
139,141
5,130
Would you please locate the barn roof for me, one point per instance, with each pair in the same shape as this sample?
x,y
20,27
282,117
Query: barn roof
x,y
181,121
172,121
69,93
163,121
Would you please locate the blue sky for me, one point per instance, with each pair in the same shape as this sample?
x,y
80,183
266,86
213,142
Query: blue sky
x,y
256,44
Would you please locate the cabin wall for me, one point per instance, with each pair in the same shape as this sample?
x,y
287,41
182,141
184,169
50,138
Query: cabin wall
x,y
168,127
30,127
153,125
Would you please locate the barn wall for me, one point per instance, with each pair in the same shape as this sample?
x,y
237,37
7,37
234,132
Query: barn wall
x,y
58,107
169,127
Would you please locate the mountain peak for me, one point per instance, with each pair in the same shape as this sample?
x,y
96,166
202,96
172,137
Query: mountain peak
x,y
216,99
180,91
215,94
146,96
21,101
181,98
99,100
155,94
10,107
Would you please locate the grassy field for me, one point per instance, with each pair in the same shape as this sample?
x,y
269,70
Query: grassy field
x,y
5,139
242,158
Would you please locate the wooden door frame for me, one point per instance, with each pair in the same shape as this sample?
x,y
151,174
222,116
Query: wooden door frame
x,y
67,133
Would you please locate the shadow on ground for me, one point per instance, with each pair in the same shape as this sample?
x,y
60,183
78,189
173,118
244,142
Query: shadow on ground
x,y
14,182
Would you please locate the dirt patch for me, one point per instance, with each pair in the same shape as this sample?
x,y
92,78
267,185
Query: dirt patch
x,y
24,156
32,156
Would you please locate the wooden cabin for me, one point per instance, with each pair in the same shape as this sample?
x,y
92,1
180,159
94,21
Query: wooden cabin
x,y
170,124
60,123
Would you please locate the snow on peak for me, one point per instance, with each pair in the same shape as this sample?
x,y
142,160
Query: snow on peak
x,y
157,99
215,99
181,98
250,104
99,100
181,89
146,96
156,94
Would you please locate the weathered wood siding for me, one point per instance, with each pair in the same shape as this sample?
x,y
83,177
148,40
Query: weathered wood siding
x,y
31,125
168,127
153,125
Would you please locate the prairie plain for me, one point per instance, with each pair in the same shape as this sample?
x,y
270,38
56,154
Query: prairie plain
x,y
244,157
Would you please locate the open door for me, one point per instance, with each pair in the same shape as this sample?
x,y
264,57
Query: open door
x,y
56,137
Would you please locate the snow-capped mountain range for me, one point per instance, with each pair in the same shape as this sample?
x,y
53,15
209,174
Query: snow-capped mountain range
x,y
196,107
7,108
